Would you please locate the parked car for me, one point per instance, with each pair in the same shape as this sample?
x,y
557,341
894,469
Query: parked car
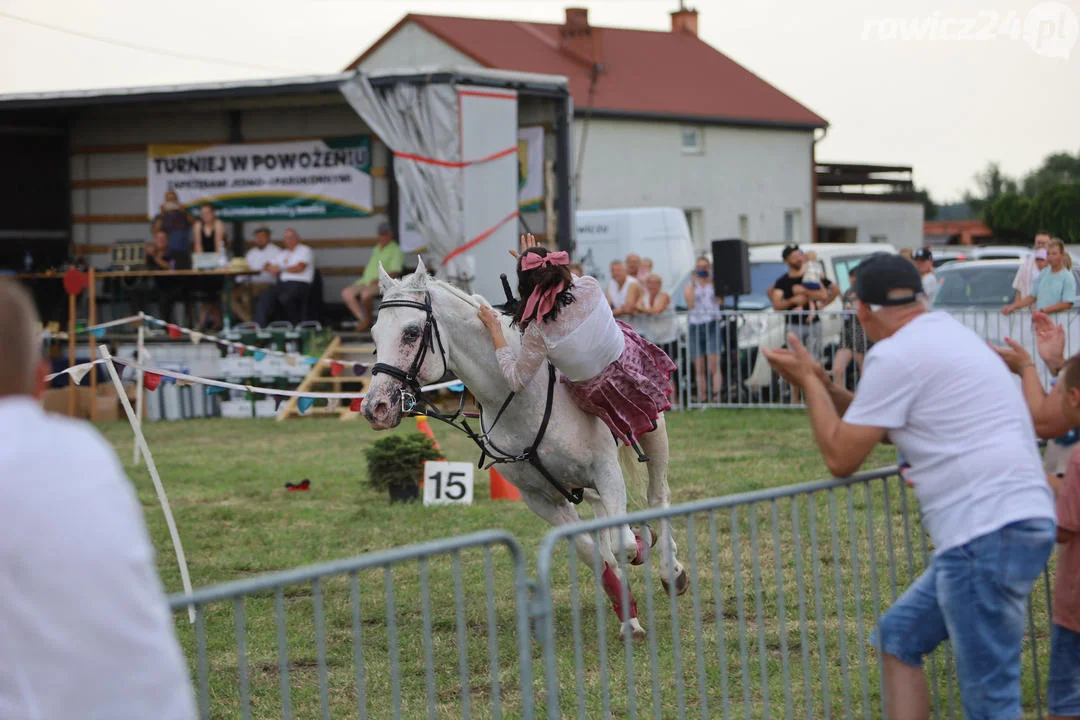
x,y
658,233
954,253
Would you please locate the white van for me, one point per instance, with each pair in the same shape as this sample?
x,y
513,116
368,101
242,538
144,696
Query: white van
x,y
658,233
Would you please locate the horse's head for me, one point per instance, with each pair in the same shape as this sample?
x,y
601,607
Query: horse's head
x,y
404,335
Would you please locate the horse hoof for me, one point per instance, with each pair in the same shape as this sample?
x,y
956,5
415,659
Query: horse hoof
x,y
636,631
682,583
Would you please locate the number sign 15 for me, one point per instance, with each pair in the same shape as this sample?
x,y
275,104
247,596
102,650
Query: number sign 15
x,y
448,483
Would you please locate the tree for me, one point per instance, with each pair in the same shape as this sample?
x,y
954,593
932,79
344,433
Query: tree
x,y
1057,211
930,208
1057,169
1011,217
992,183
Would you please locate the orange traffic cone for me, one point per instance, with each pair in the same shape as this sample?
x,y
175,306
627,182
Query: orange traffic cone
x,y
422,426
501,489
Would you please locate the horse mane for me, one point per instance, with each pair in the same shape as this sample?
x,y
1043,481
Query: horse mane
x,y
419,283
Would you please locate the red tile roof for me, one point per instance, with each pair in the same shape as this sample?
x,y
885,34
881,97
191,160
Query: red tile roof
x,y
645,73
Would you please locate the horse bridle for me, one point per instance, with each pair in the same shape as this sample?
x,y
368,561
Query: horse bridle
x,y
412,395
411,392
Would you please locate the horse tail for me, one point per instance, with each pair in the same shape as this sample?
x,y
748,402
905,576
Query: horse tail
x,y
636,477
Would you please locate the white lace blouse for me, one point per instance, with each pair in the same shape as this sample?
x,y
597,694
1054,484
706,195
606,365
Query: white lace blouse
x,y
580,343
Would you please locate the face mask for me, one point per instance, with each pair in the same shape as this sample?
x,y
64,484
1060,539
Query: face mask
x,y
702,273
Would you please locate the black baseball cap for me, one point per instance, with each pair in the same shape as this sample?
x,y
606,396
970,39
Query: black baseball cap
x,y
788,249
883,273
923,254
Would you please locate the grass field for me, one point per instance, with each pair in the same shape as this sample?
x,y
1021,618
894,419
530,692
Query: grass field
x,y
799,594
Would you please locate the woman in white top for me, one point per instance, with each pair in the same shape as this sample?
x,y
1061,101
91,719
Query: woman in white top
x,y
704,321
611,372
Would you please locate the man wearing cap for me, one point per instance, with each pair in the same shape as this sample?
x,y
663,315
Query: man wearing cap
x,y
360,296
789,294
924,261
976,472
1025,275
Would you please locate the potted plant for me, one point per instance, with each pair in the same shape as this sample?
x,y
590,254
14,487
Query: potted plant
x,y
396,463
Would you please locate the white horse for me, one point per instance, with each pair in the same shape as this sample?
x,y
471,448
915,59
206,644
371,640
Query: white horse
x,y
427,327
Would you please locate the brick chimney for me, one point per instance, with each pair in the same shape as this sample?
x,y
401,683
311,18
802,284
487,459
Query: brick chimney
x,y
579,40
684,20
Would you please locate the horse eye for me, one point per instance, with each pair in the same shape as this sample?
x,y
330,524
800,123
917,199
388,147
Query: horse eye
x,y
410,334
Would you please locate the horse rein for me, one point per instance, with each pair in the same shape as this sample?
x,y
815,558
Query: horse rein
x,y
412,396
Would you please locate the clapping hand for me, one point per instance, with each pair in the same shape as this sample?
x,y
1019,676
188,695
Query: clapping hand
x,y
1050,339
1014,355
795,364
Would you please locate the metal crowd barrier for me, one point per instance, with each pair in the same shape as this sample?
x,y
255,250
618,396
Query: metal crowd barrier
x,y
785,586
407,632
732,344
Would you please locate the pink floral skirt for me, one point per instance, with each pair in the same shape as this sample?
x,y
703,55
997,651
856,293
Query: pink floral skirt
x,y
631,392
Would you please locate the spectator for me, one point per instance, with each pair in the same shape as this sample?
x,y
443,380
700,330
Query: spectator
x,y
853,342
623,291
908,253
658,319
704,319
1053,290
360,296
208,232
250,288
295,270
85,629
789,294
812,275
975,470
1025,275
176,221
634,268
646,269
924,261
159,257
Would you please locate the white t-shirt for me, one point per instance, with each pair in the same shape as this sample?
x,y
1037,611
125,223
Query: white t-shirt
x,y
616,296
1025,276
957,415
930,285
257,258
85,629
299,254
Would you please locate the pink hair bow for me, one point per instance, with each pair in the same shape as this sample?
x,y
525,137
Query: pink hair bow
x,y
540,302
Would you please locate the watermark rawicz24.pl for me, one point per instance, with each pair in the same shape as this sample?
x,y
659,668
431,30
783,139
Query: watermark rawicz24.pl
x,y
1050,28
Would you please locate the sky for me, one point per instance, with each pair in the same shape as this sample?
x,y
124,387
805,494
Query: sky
x,y
942,86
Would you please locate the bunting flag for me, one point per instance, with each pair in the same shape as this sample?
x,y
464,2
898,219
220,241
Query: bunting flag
x,y
308,360
169,380
98,332
214,390
196,337
304,404
359,369
174,332
278,399
78,372
332,403
355,404
290,360
457,387
151,381
260,355
336,368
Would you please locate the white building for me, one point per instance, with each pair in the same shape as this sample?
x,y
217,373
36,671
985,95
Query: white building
x,y
868,204
661,118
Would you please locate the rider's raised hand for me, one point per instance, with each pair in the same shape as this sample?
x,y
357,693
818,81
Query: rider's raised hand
x,y
528,240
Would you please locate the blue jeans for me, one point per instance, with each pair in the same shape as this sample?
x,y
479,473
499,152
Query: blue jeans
x,y
1063,688
974,595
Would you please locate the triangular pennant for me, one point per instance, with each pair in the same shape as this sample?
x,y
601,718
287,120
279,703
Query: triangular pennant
x,y
174,332
304,404
355,404
78,372
260,355
457,387
332,403
308,360
214,390
241,349
278,399
151,381
359,369
196,337
336,368
184,383
168,380
290,360
98,332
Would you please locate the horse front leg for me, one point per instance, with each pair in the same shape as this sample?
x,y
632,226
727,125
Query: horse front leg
x,y
610,501
655,445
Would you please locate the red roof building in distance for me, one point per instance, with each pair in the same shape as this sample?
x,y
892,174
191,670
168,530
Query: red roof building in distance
x,y
624,73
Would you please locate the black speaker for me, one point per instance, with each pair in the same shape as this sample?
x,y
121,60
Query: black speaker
x,y
731,267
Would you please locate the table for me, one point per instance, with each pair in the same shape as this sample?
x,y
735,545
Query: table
x,y
228,274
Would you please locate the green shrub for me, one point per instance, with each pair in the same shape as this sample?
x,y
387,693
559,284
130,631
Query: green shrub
x,y
399,459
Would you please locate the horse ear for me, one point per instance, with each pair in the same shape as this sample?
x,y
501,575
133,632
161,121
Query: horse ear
x,y
421,269
386,283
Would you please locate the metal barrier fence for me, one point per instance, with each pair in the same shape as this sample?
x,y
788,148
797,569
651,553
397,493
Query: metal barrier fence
x,y
719,364
785,586
419,631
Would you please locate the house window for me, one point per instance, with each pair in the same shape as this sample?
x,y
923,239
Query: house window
x,y
693,142
744,228
879,239
792,221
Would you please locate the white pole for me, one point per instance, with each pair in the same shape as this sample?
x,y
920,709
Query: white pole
x,y
140,441
139,358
